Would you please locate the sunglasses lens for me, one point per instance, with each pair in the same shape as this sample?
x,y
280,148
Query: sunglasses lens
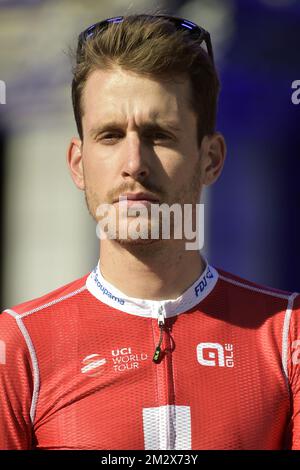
x,y
117,19
89,32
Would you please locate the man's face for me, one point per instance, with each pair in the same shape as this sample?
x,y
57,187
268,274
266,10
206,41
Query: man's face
x,y
140,135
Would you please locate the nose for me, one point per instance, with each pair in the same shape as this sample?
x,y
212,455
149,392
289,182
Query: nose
x,y
136,163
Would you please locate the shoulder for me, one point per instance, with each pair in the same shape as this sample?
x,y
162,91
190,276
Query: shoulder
x,y
244,286
255,305
54,299
257,299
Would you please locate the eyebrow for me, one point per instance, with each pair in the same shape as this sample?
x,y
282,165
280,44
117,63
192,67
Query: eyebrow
x,y
146,127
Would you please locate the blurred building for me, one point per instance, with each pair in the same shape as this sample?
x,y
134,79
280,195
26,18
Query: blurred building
x,y
48,238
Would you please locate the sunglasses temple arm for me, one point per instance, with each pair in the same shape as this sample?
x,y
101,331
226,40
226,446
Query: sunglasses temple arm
x,y
209,48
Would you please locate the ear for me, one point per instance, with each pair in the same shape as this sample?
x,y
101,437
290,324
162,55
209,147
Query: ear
x,y
213,152
74,162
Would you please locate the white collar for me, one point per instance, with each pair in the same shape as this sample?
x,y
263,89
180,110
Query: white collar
x,y
110,295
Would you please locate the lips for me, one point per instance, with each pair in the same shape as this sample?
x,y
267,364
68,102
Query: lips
x,y
143,197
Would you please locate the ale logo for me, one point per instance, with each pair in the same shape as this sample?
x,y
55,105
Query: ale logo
x,y
215,355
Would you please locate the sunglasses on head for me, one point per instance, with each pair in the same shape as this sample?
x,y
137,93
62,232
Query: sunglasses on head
x,y
197,32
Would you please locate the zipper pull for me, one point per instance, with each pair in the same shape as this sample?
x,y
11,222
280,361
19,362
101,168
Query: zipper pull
x,y
161,323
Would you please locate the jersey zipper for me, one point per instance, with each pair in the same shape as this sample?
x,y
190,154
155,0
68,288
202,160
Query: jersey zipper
x,y
163,359
161,324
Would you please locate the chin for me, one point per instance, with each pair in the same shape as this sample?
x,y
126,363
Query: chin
x,y
129,242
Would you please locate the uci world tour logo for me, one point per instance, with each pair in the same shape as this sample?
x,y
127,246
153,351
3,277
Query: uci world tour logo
x,y
92,365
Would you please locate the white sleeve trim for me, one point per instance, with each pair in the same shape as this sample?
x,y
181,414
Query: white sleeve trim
x,y
285,334
35,367
261,290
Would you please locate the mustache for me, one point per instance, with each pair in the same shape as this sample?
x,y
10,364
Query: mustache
x,y
114,193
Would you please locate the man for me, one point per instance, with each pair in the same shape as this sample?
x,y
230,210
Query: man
x,y
154,349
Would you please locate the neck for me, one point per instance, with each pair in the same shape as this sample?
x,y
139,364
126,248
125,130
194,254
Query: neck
x,y
157,271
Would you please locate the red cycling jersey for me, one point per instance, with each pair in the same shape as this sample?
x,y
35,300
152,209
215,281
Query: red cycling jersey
x,y
77,368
